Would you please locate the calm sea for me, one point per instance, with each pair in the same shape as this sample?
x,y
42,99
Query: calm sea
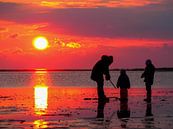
x,y
76,78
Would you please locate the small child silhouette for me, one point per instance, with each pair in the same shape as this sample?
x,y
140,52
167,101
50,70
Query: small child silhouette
x,y
124,84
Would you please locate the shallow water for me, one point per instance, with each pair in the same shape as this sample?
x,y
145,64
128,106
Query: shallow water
x,y
57,100
68,108
77,78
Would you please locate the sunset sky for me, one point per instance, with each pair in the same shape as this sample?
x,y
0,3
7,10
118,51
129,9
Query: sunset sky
x,y
80,31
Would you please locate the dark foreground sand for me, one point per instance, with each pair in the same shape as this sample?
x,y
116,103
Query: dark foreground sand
x,y
75,108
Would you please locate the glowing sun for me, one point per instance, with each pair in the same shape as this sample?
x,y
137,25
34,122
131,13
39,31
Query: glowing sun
x,y
40,43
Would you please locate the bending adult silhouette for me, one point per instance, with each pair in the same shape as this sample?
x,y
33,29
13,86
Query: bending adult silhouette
x,y
100,69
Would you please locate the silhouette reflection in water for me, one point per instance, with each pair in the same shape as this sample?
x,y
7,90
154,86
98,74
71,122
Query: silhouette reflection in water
x,y
100,108
149,119
124,113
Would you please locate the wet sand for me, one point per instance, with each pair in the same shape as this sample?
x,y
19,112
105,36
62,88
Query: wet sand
x,y
68,108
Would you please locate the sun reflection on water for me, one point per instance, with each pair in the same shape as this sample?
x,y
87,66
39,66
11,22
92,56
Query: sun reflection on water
x,y
41,99
40,124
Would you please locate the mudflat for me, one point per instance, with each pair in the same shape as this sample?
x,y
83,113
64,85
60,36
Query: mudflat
x,y
79,108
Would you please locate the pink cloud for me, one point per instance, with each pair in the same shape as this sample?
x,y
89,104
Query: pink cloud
x,y
153,21
129,57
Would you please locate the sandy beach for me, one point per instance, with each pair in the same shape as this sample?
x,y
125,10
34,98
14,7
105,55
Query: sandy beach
x,y
77,108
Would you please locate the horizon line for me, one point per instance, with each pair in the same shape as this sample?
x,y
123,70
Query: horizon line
x,y
116,69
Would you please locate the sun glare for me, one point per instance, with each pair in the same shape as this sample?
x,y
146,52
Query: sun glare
x,y
41,98
40,43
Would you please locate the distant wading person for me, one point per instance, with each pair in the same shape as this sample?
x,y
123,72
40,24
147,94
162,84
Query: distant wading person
x,y
148,76
100,69
124,84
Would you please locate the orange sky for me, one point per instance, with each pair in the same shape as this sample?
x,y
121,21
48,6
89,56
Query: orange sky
x,y
80,31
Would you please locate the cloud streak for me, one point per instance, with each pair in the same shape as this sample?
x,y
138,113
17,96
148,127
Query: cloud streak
x,y
86,3
128,57
152,21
